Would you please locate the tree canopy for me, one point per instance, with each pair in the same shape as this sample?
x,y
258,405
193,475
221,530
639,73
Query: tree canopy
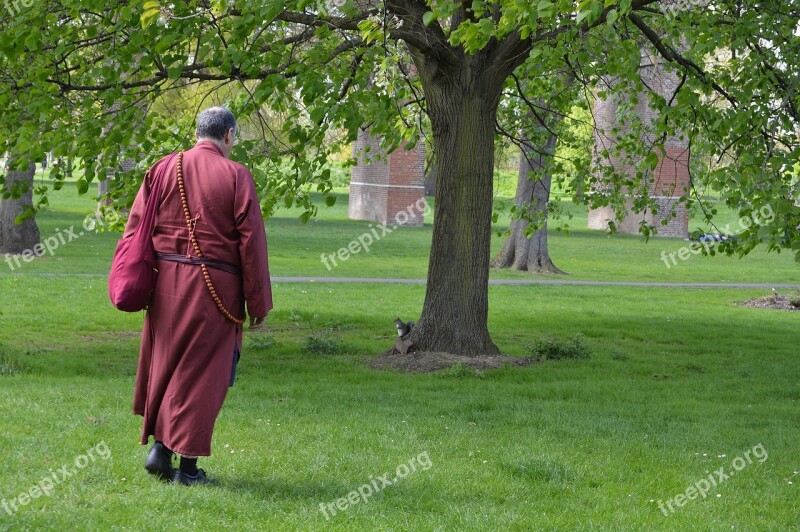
x,y
84,79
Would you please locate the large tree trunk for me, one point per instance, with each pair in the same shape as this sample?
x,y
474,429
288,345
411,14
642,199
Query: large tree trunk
x,y
520,252
462,104
16,238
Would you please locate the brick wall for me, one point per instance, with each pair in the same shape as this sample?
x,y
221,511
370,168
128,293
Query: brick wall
x,y
676,226
669,181
368,193
390,189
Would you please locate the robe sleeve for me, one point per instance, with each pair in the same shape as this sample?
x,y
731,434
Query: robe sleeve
x,y
140,202
252,247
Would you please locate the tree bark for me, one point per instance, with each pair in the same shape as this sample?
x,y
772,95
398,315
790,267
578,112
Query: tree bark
x,y
430,182
16,238
520,252
462,104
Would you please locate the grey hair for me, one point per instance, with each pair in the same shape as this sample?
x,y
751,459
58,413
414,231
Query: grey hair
x,y
214,122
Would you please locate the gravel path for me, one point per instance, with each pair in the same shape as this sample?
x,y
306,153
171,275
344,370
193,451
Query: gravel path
x,y
557,282
507,282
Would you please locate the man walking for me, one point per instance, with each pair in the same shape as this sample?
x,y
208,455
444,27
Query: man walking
x,y
192,332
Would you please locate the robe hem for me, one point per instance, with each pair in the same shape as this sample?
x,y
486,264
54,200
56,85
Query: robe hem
x,y
205,454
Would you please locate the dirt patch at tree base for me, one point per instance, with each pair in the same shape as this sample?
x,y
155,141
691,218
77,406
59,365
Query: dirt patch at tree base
x,y
775,302
428,361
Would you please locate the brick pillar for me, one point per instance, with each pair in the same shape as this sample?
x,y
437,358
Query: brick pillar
x,y
389,190
669,181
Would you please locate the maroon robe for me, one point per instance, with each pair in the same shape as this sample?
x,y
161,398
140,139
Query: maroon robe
x,y
186,357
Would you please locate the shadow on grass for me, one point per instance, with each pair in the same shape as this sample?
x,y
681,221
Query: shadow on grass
x,y
276,488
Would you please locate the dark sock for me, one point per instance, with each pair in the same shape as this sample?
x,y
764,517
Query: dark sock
x,y
166,449
189,466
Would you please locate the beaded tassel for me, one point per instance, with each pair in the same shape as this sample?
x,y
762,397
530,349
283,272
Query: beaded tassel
x,y
196,246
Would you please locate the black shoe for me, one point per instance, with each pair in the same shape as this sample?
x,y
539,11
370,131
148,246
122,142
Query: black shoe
x,y
188,480
159,462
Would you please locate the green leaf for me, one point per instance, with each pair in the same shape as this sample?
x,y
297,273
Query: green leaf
x,y
175,72
546,9
317,114
588,11
151,12
82,185
428,17
651,160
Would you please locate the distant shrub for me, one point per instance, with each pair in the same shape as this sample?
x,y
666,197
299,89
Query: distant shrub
x,y
551,349
338,325
340,175
261,342
795,301
323,344
302,316
9,366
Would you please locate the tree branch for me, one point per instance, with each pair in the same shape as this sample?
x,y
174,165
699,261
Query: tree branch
x,y
429,40
337,23
671,55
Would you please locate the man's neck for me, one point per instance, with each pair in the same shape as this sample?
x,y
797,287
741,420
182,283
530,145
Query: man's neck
x,y
215,142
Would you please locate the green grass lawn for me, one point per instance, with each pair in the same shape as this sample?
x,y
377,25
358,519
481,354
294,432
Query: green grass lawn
x,y
680,383
296,250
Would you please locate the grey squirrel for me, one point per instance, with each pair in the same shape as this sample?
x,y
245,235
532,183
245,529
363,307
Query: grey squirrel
x,y
403,328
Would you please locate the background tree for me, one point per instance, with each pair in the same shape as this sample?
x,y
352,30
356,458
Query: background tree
x,y
526,249
18,232
540,127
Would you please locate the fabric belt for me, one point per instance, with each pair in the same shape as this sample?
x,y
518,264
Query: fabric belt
x,y
211,263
